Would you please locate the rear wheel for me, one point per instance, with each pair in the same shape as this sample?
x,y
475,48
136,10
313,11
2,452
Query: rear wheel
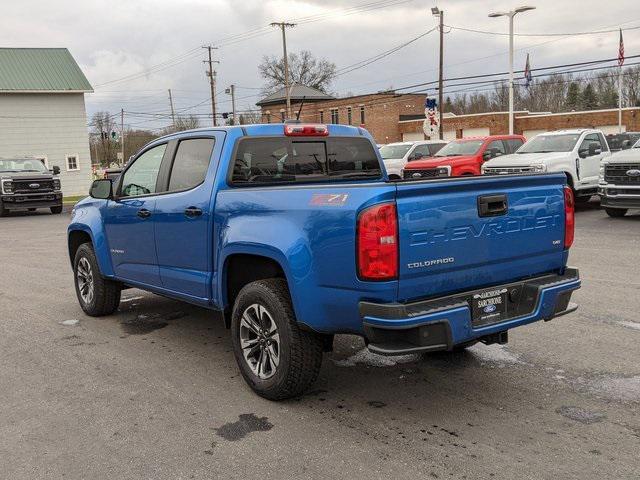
x,y
276,358
56,210
98,296
616,212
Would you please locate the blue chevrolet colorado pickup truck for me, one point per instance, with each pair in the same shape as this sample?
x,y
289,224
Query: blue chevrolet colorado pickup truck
x,y
295,233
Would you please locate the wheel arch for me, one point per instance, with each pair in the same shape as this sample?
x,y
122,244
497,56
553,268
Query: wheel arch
x,y
241,267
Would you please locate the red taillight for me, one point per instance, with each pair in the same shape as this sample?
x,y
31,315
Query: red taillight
x,y
378,243
300,130
569,217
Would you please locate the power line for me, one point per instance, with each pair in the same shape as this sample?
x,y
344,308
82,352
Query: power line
x,y
572,34
380,56
515,71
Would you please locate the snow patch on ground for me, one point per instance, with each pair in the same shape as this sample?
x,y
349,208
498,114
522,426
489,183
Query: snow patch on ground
x,y
130,299
365,357
70,323
634,325
494,354
621,388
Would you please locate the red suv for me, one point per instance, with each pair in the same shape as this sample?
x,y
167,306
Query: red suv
x,y
464,156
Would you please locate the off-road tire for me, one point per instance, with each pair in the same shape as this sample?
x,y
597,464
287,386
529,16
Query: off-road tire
x,y
106,293
300,351
616,212
56,210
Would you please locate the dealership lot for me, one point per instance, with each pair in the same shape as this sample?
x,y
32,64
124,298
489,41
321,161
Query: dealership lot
x,y
154,391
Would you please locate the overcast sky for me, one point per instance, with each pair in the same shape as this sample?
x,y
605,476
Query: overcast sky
x,y
156,44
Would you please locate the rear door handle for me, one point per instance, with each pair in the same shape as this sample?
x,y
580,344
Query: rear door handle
x,y
492,205
144,213
192,212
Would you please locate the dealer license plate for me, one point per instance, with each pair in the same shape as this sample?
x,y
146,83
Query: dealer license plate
x,y
489,306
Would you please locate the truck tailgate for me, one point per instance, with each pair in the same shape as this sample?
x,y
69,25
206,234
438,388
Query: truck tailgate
x,y
455,235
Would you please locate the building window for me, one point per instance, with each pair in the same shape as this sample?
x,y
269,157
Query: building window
x,y
282,116
362,114
72,162
349,116
335,119
321,116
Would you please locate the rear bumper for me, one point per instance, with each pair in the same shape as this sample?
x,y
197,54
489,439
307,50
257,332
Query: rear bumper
x,y
441,324
24,202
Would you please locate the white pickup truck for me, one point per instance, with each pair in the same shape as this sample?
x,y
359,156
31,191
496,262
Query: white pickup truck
x,y
577,153
396,155
620,182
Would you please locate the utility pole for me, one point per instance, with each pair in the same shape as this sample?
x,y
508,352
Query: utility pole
x,y
440,13
284,26
173,112
232,91
211,73
122,136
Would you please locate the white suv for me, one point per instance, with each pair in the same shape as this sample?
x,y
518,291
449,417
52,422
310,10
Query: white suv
x,y
577,153
396,155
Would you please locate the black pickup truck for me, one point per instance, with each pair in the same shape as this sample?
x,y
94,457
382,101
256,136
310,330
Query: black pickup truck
x,y
26,184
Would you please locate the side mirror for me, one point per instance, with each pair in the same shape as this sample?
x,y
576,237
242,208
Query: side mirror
x,y
488,155
594,149
56,170
415,156
102,189
583,153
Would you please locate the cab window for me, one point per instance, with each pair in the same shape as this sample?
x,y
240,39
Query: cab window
x,y
191,163
514,144
495,149
591,139
421,151
141,177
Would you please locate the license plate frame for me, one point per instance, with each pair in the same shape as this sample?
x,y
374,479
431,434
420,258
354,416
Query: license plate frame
x,y
489,306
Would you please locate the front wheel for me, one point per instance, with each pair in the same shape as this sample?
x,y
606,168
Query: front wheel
x,y
276,357
56,210
616,212
97,295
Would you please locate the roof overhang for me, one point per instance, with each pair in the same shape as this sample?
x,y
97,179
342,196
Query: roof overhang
x,y
46,91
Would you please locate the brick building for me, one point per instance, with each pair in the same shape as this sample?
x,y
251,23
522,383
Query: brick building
x,y
393,117
379,113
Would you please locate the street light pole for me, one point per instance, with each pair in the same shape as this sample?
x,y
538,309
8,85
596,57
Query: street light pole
x,y
440,13
511,14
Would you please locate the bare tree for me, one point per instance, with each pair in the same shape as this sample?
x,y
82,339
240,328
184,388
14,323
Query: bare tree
x,y
304,69
103,144
182,123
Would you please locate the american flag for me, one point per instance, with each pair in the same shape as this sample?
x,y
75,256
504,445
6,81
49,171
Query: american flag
x,y
621,51
527,73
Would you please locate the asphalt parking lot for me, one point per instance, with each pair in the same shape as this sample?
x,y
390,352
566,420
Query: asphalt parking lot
x,y
154,392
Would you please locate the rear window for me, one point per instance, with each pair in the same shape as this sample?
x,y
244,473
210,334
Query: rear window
x,y
286,160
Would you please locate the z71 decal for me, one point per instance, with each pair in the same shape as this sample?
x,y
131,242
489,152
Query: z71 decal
x,y
329,199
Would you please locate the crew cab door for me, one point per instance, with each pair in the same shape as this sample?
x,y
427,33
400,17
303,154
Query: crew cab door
x,y
184,218
128,220
589,162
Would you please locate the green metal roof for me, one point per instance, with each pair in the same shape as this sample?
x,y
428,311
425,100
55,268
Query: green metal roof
x,y
40,69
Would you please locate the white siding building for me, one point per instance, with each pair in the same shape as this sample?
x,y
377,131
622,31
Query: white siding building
x,y
42,112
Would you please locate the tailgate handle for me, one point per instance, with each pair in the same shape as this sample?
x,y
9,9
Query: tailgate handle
x,y
492,205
